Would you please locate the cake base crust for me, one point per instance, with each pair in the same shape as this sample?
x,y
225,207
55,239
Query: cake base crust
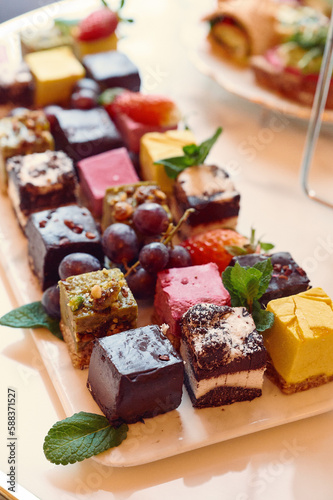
x,y
288,388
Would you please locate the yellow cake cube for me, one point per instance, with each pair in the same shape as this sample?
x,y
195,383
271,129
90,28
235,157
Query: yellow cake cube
x,y
156,146
55,72
300,343
83,48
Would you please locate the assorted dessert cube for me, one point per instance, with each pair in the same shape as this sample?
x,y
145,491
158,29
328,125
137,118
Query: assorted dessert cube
x,y
224,355
135,375
94,305
54,233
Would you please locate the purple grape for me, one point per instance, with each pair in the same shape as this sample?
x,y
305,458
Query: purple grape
x,y
154,257
51,301
78,263
179,257
87,84
84,99
142,283
151,218
120,243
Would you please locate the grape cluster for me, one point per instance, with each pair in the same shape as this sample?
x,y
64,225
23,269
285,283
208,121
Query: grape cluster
x,y
150,251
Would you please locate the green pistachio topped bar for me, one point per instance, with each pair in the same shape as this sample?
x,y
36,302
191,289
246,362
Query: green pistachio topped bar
x,y
94,305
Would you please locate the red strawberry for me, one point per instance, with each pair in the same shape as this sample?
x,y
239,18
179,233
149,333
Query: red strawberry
x,y
210,247
154,110
99,24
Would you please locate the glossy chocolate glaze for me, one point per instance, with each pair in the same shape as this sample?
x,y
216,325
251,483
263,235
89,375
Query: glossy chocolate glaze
x,y
135,375
83,133
112,69
288,278
52,234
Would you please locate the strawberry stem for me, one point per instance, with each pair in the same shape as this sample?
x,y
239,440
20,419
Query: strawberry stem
x,y
105,4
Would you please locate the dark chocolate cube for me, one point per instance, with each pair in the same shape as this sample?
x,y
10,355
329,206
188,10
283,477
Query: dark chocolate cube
x,y
40,181
53,234
135,374
83,133
288,278
112,69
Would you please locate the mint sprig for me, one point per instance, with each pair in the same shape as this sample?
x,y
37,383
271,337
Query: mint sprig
x,y
193,155
246,285
31,315
81,436
251,247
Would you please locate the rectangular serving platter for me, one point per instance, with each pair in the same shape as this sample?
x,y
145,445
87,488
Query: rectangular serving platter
x,y
179,431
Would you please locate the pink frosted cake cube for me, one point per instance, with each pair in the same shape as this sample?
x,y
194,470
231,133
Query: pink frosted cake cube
x,y
101,171
178,289
132,131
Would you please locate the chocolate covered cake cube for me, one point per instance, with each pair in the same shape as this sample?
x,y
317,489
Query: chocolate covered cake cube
x,y
135,375
288,278
53,234
120,202
223,353
209,190
94,305
112,69
83,133
178,289
40,181
99,172
25,133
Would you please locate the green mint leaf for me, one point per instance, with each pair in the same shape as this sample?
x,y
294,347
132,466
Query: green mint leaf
x,y
266,269
31,316
262,318
230,283
193,155
207,145
81,436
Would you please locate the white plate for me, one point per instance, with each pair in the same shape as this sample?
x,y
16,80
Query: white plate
x,y
209,60
176,432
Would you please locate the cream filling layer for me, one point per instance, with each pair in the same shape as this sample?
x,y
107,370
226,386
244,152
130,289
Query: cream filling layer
x,y
249,379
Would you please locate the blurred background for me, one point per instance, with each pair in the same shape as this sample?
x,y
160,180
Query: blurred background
x,y
12,8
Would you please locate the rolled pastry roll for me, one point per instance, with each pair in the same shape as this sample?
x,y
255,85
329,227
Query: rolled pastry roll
x,y
244,28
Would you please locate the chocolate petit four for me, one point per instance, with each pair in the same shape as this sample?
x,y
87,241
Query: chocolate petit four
x,y
288,278
135,375
24,133
99,172
40,181
52,234
156,146
92,305
55,72
300,342
209,190
177,289
83,133
112,69
224,355
120,202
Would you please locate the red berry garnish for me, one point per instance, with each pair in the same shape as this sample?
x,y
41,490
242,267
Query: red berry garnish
x,y
99,24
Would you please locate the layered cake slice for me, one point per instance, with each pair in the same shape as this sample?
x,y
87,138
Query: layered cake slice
x,y
93,305
40,181
288,278
224,355
177,289
99,172
300,343
135,375
209,190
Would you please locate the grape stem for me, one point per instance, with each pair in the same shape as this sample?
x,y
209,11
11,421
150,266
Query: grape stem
x,y
167,237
